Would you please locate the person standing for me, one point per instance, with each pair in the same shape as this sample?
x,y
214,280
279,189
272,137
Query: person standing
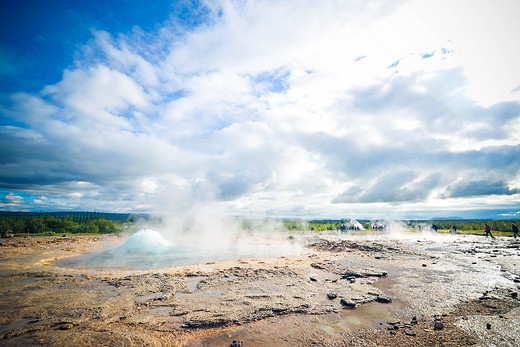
x,y
488,231
514,229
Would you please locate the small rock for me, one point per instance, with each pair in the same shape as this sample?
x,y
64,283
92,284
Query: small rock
x,y
409,333
488,326
384,299
313,279
64,235
414,320
66,326
378,257
332,296
237,343
514,295
423,265
347,304
393,332
438,326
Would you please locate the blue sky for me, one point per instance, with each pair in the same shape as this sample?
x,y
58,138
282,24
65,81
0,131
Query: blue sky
x,y
377,109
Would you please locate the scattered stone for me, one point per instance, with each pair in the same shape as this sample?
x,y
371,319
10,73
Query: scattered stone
x,y
66,326
438,326
358,272
313,279
409,333
384,299
488,326
393,332
347,304
414,320
237,343
423,265
332,296
64,235
378,257
514,295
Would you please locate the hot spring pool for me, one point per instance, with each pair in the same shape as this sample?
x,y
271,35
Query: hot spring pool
x,y
148,249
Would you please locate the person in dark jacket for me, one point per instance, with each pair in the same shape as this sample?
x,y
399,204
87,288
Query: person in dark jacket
x,y
514,229
488,231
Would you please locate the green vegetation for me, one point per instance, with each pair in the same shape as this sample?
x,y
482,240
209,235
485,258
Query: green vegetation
x,y
464,226
470,226
48,224
320,225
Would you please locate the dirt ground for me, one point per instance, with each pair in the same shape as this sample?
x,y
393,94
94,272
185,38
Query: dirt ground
x,y
409,289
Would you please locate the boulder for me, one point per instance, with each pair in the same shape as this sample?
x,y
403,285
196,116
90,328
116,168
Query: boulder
x,y
332,296
348,304
438,326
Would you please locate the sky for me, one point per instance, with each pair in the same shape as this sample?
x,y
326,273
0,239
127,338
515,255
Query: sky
x,y
297,109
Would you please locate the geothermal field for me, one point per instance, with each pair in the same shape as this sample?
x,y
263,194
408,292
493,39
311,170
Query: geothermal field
x,y
261,288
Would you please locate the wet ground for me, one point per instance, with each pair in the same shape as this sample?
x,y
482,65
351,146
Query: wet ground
x,y
364,290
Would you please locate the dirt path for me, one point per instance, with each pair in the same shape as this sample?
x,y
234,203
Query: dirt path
x,y
406,290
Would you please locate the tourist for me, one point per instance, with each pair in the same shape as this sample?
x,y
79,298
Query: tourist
x,y
488,231
514,228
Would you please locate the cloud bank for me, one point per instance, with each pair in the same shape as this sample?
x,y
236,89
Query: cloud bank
x,y
294,109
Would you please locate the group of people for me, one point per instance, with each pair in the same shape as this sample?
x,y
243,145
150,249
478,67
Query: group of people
x,y
453,230
514,229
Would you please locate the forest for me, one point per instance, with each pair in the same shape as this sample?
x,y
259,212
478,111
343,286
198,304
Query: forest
x,y
467,225
48,223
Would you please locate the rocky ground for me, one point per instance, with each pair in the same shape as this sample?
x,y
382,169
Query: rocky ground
x,y
369,290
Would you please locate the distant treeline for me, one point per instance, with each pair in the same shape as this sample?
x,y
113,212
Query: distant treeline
x,y
76,215
321,225
503,225
40,223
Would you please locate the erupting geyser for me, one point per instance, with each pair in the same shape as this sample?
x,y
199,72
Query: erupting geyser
x,y
148,249
146,242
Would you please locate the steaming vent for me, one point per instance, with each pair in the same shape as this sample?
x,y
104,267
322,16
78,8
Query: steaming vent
x,y
146,242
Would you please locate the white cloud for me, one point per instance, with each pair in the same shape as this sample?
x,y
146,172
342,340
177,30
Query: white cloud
x,y
307,108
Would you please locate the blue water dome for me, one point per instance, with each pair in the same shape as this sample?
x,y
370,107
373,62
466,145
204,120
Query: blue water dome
x,y
147,242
